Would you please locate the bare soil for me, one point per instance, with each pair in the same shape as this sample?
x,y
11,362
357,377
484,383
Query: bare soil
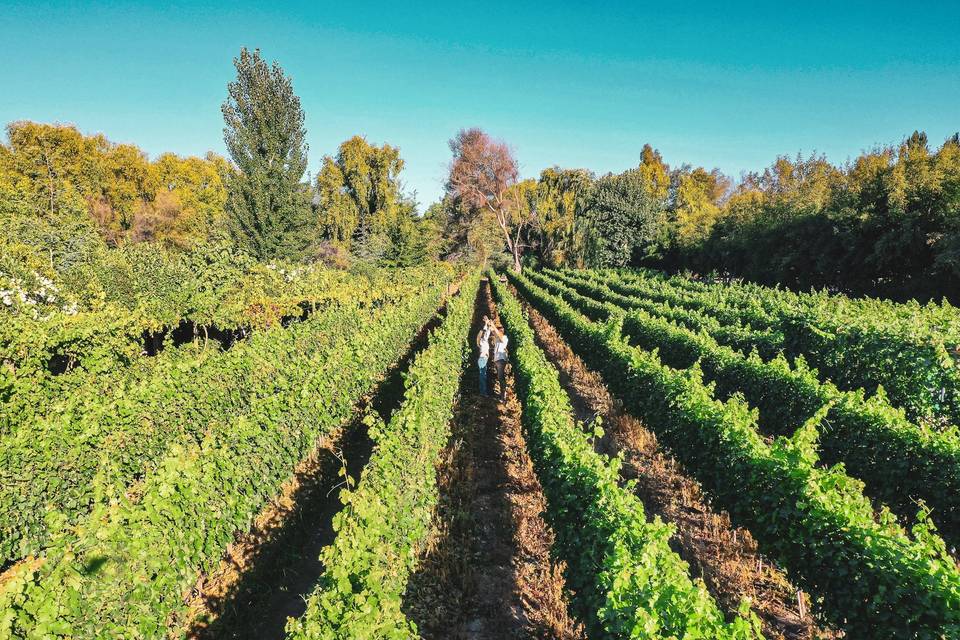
x,y
269,570
725,557
267,573
487,572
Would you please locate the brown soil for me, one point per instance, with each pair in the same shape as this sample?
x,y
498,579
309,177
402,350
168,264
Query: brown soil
x,y
487,572
269,570
725,557
19,568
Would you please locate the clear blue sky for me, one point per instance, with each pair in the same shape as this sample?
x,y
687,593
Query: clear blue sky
x,y
719,84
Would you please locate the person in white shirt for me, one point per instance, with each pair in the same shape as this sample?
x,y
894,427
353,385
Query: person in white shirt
x,y
500,360
483,343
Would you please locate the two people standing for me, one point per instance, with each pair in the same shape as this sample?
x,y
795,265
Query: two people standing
x,y
500,339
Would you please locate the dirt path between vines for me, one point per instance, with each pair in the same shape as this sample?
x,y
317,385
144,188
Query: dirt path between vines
x,y
487,572
269,570
725,557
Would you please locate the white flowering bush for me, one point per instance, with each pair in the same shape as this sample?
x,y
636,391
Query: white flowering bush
x,y
293,273
33,295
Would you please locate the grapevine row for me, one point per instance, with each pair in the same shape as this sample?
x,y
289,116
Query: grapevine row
x,y
627,580
899,461
46,361
744,338
90,446
54,469
124,568
773,302
861,346
872,579
382,528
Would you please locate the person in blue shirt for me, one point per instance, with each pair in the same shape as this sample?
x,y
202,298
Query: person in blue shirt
x,y
483,343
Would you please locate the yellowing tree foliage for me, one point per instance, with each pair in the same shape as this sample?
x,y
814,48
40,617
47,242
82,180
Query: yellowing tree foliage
x,y
887,223
54,171
188,204
696,205
654,173
359,192
561,197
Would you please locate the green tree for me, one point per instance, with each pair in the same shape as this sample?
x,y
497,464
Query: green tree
x,y
409,238
947,246
695,206
433,230
884,224
562,195
623,220
484,240
268,207
359,196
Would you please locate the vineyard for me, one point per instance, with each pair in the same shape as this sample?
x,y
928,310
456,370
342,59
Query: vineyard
x,y
278,451
385,328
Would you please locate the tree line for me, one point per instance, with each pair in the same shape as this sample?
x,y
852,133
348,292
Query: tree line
x,y
887,222
61,190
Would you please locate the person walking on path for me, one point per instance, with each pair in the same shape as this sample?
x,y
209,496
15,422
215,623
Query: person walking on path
x,y
500,360
483,343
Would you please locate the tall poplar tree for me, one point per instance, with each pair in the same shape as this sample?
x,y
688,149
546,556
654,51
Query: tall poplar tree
x,y
267,205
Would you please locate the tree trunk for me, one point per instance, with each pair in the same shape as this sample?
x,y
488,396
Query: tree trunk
x,y
516,251
512,244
